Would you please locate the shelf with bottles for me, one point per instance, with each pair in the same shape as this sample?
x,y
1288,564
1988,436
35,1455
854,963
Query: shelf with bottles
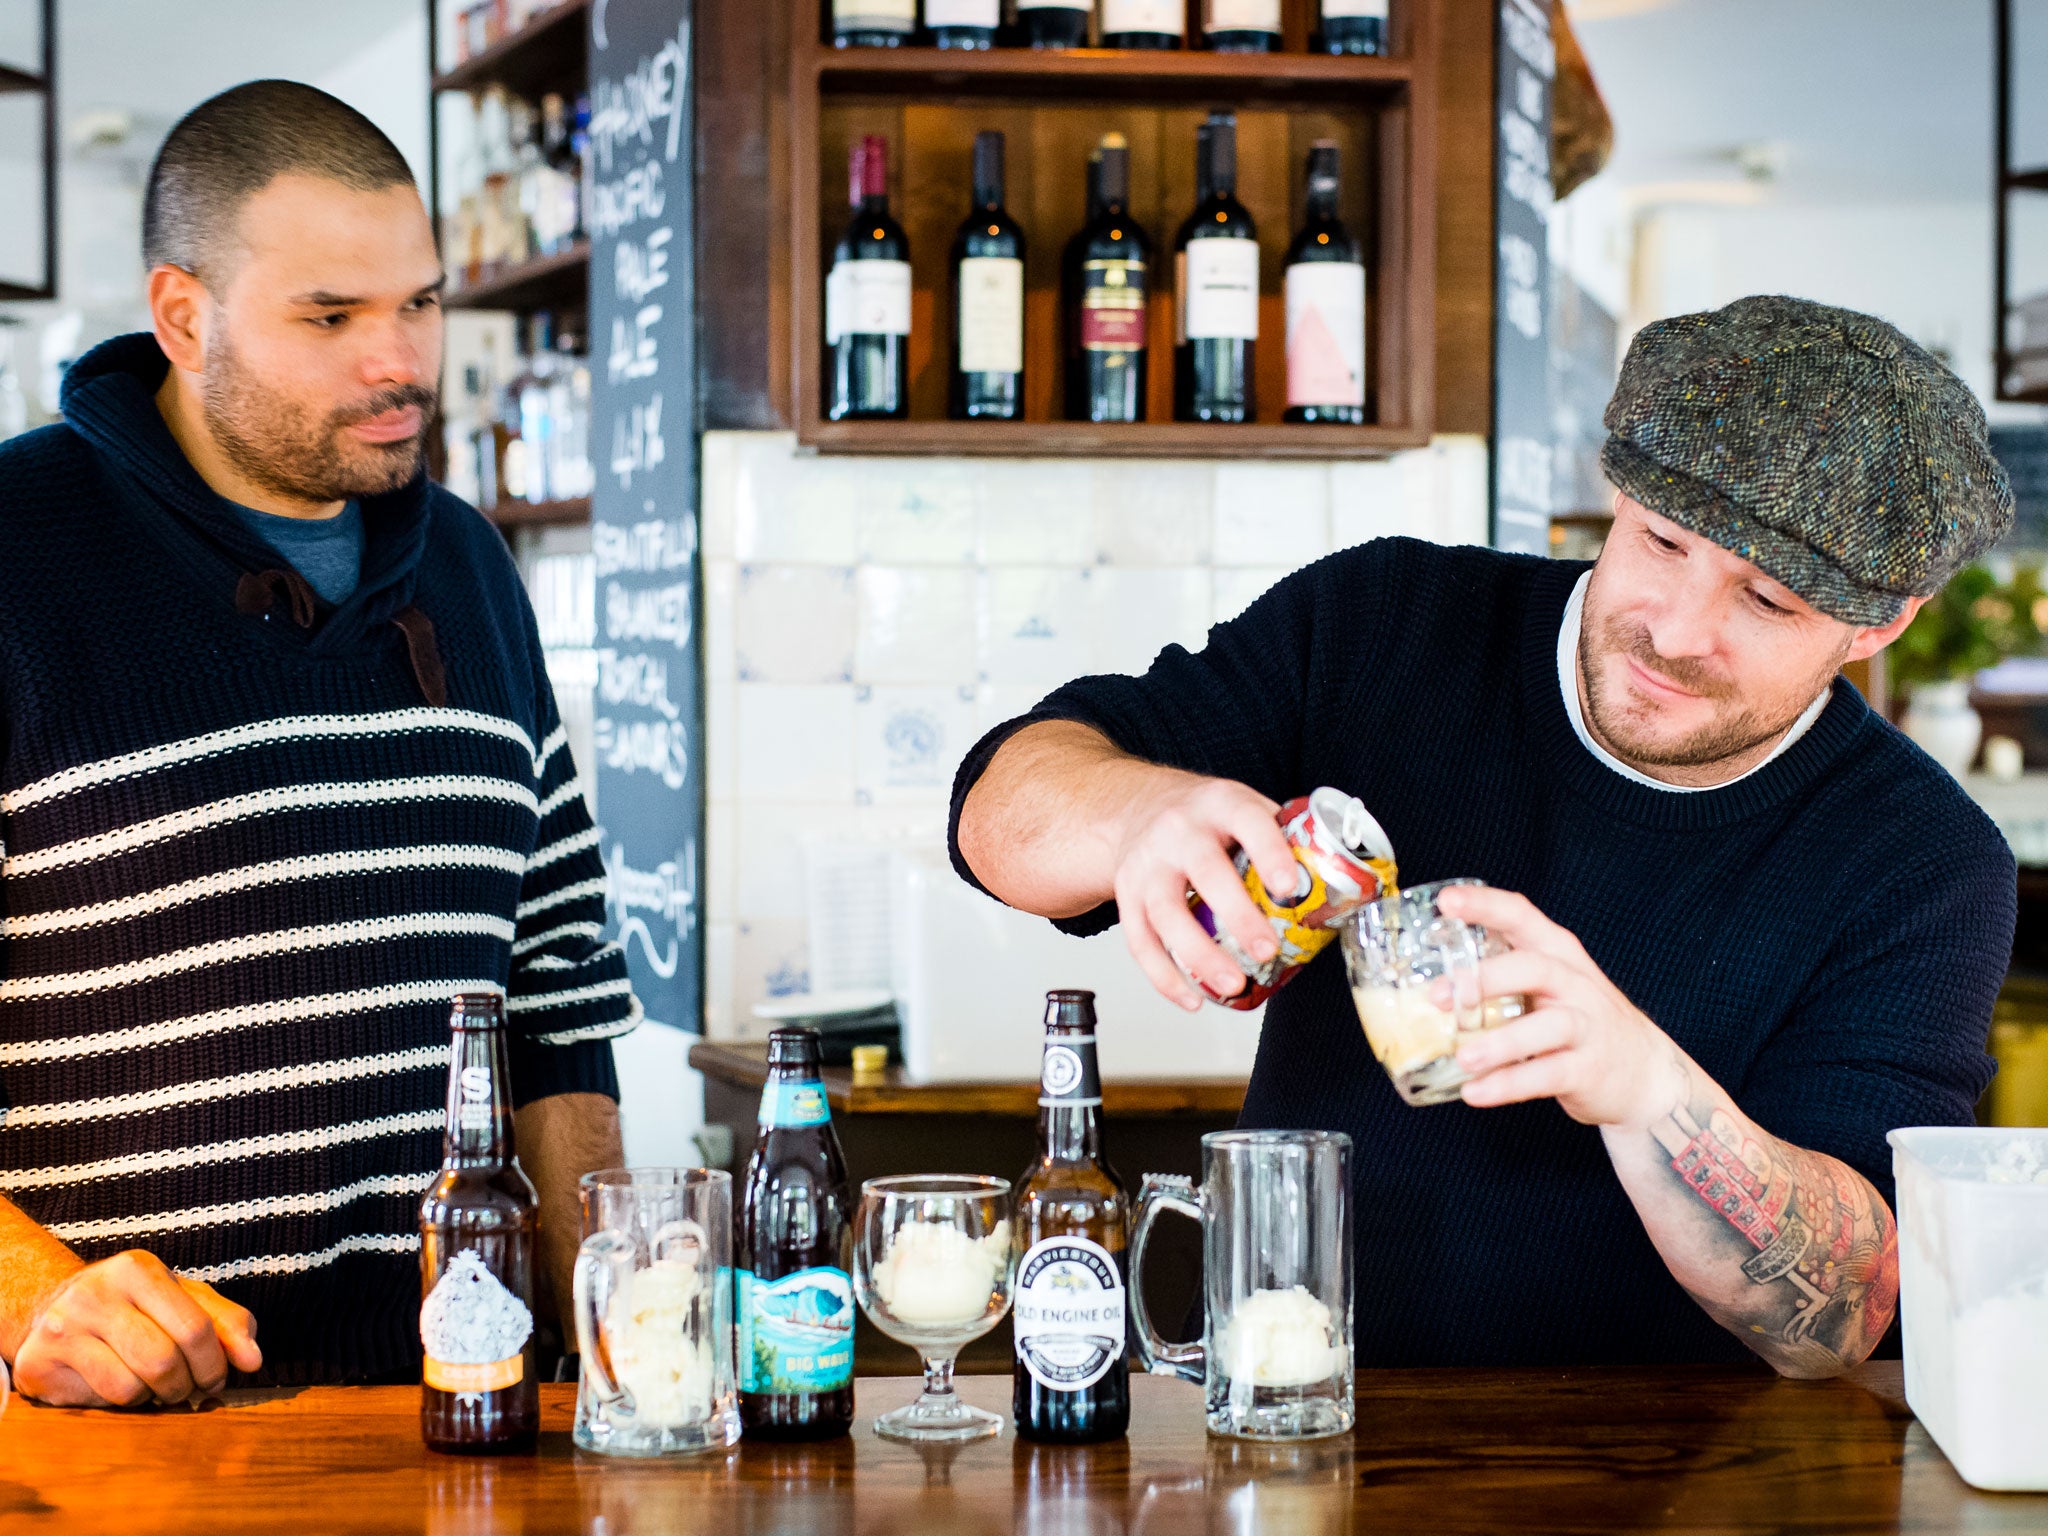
x,y
515,238
516,437
1382,198
1244,31
528,46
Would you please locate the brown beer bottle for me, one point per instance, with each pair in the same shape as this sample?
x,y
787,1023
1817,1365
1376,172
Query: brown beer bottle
x,y
478,1395
794,1252
1071,1379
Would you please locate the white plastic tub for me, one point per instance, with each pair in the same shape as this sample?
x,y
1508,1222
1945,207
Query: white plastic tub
x,y
1973,1296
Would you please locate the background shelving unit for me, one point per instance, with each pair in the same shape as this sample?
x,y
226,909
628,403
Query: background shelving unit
x,y
2019,340
40,83
1053,106
549,53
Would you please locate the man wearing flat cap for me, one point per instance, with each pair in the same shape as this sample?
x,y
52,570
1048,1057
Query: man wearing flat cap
x,y
1755,927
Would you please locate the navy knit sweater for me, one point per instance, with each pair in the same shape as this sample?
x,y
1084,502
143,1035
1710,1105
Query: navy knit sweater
x,y
249,847
1825,936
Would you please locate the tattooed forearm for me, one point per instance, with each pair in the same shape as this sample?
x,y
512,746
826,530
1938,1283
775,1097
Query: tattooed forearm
x,y
1808,1272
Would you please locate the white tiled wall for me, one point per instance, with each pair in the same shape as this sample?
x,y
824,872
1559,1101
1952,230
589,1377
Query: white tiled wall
x,y
865,620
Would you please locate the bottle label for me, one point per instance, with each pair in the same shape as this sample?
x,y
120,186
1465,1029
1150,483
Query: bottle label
x,y
473,1329
1113,306
991,314
1221,288
1243,16
875,15
789,1106
1053,5
867,298
1068,1075
1326,333
960,13
1345,10
1167,16
796,1332
473,1110
1068,1313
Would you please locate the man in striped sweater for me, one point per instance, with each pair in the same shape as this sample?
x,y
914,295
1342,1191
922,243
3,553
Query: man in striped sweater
x,y
280,772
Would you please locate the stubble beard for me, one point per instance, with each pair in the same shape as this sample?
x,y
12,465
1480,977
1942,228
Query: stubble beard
x,y
278,445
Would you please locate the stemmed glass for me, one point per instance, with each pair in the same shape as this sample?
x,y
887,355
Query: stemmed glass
x,y
932,1267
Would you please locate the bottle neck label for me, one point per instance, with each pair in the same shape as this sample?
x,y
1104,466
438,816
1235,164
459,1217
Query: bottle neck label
x,y
787,1105
1068,1313
796,1331
1068,1076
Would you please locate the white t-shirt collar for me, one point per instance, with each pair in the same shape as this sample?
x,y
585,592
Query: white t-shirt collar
x,y
1568,683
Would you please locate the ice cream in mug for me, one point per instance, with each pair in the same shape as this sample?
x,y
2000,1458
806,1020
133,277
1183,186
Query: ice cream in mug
x,y
934,1274
658,1355
1280,1338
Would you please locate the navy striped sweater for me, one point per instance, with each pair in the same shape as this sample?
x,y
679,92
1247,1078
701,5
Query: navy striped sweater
x,y
249,847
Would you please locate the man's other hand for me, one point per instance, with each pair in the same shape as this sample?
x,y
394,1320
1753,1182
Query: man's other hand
x,y
127,1331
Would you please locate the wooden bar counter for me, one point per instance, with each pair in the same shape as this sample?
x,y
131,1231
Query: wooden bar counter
x,y
1678,1450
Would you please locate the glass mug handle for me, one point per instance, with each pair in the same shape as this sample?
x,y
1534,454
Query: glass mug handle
x,y
1162,1192
604,1265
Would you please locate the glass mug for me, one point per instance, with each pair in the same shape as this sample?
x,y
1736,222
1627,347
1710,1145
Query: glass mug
x,y
654,1324
1397,949
1275,1354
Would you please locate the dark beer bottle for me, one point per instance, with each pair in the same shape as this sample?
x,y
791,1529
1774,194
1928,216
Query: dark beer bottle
x,y
794,1251
478,1393
1072,1380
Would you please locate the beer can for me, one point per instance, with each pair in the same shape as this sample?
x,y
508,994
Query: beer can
x,y
1344,861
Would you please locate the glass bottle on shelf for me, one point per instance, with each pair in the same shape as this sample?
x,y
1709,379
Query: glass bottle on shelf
x,y
536,417
1143,23
1325,288
986,381
1105,280
579,150
528,172
1351,26
962,23
1241,26
498,188
1053,23
873,23
1216,288
867,299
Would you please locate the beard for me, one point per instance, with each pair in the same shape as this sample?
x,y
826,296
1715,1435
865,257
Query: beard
x,y
292,451
1629,725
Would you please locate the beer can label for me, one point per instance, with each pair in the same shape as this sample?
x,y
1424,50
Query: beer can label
x,y
1068,1313
791,1105
796,1331
473,1329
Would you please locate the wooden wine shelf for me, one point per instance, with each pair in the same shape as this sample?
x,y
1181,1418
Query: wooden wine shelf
x,y
1142,439
547,53
560,279
540,514
1165,75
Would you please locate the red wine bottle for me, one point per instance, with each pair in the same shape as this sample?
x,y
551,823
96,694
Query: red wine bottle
x,y
1053,23
867,300
1351,26
1216,288
1105,278
987,376
1325,287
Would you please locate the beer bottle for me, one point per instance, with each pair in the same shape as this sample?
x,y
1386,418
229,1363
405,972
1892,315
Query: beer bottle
x,y
1072,1381
795,1248
478,1393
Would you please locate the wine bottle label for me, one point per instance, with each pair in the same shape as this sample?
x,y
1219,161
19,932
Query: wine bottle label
x,y
1113,306
796,1332
1068,1313
1167,16
1326,333
1053,5
1243,16
1220,290
1068,1075
991,314
473,1329
961,13
867,298
874,15
793,1105
1345,10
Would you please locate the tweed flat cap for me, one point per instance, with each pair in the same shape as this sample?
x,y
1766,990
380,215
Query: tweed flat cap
x,y
1819,444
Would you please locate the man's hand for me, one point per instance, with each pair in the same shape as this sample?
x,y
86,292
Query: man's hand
x,y
1181,837
1581,1043
127,1331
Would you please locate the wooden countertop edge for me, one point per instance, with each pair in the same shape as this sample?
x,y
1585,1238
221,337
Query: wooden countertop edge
x,y
745,1065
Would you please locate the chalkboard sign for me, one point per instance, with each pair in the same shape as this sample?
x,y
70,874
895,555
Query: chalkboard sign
x,y
650,793
2023,450
1525,64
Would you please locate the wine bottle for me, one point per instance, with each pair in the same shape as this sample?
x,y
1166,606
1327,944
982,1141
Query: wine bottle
x,y
987,382
962,23
1053,23
1325,287
1241,26
1216,288
1143,23
867,300
1352,26
873,23
1105,275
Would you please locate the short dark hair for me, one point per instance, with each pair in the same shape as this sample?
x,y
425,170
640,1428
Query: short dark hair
x,y
230,147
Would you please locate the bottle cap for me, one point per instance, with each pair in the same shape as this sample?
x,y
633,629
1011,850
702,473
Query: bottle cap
x,y
869,1062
